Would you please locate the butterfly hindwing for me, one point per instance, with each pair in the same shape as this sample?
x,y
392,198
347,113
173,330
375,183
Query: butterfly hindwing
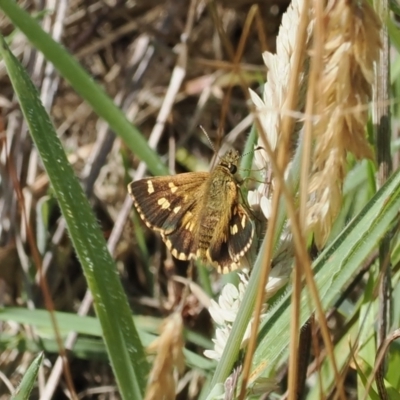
x,y
227,250
241,232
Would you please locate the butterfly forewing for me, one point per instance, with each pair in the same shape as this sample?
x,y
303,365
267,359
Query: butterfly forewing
x,y
162,202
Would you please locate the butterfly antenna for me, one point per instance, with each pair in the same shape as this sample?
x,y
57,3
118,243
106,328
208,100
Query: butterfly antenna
x,y
252,151
208,138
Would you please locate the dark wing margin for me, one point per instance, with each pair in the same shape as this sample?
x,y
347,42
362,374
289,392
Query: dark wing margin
x,y
218,253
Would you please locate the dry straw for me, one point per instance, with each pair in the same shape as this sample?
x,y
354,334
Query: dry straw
x,y
169,359
351,47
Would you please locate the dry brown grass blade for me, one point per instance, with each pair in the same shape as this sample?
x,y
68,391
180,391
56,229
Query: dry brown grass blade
x,y
295,385
383,348
381,114
283,153
282,160
169,357
237,56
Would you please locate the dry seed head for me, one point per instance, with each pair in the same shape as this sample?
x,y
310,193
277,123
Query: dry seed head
x,y
351,46
169,357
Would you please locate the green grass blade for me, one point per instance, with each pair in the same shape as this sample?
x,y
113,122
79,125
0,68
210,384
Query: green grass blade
x,y
333,270
122,341
25,387
81,81
87,348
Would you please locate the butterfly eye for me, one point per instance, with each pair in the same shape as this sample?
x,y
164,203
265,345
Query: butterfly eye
x,y
232,168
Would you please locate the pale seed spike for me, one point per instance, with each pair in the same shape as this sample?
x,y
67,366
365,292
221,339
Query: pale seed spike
x,y
351,47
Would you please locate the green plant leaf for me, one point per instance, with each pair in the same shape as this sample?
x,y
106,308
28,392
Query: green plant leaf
x,y
121,338
25,387
332,271
88,348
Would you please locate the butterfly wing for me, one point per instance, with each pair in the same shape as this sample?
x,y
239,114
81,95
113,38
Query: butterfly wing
x,y
229,248
168,205
241,233
183,242
191,212
163,201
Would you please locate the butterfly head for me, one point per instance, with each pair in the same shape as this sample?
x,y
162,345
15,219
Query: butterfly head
x,y
230,161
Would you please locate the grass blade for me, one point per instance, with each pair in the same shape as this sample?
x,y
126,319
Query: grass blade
x,y
25,387
121,337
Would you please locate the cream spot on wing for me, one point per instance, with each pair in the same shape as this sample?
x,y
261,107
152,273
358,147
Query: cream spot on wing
x,y
234,229
174,252
187,221
172,187
168,244
150,187
233,266
189,226
243,221
176,209
147,223
164,203
182,256
188,214
227,268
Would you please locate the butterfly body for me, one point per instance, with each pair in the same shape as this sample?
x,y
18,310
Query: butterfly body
x,y
198,214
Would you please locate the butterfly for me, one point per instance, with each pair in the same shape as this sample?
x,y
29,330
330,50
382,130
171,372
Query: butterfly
x,y
199,215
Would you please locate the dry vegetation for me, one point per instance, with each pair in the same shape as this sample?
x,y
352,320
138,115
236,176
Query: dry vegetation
x,y
170,66
131,49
